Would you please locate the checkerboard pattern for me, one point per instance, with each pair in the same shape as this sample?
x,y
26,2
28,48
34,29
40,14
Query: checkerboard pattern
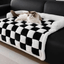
x,y
28,35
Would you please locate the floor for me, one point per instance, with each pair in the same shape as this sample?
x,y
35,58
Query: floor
x,y
10,55
5,60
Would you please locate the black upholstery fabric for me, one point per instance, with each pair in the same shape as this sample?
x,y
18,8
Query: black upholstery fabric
x,y
55,43
2,16
4,9
55,48
2,2
35,5
56,7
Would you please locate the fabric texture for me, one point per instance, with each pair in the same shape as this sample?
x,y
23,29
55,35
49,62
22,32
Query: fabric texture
x,y
28,37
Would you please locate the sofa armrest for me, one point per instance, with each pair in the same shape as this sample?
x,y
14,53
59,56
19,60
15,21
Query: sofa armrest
x,y
4,9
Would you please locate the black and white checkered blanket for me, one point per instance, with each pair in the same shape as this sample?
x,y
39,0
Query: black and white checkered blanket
x,y
28,37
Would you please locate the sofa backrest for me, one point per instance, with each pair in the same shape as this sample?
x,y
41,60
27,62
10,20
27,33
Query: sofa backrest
x,y
56,7
35,5
51,7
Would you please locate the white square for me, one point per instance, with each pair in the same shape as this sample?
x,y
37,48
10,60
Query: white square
x,y
19,29
45,19
12,35
9,22
41,38
0,37
30,33
40,52
18,24
28,23
29,49
29,27
3,31
17,44
41,30
22,39
1,24
11,19
9,27
48,22
8,40
35,44
39,26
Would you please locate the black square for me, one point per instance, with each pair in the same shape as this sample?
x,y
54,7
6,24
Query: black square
x,y
8,33
3,37
14,28
24,32
12,41
14,23
51,21
33,24
29,41
5,25
17,36
37,35
35,51
5,20
14,18
23,46
23,22
43,22
24,25
34,28
40,45
47,28
0,30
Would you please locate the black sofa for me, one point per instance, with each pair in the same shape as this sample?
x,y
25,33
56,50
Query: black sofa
x,y
4,2
55,42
